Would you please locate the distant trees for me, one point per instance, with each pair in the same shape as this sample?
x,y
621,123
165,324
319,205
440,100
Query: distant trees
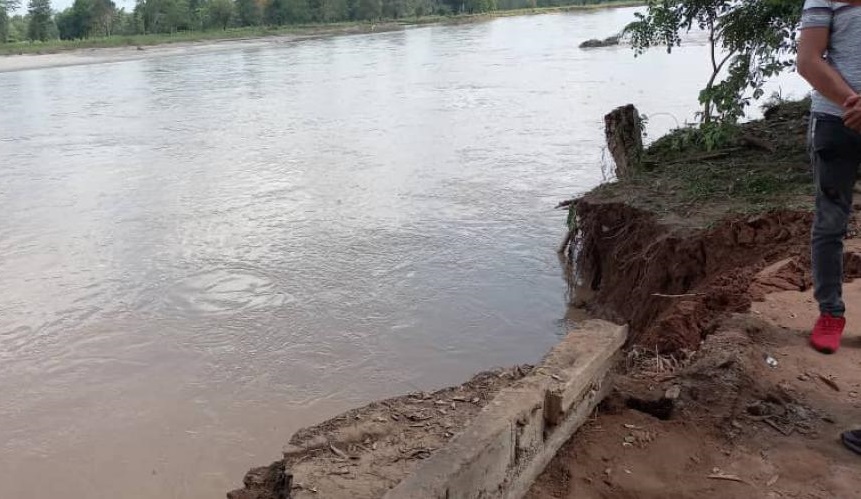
x,y
219,13
249,12
368,10
288,12
7,7
86,18
41,20
101,18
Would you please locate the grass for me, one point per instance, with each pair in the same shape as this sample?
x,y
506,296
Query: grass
x,y
307,30
762,166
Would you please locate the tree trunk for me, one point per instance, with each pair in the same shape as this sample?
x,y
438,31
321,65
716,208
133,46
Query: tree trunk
x,y
623,130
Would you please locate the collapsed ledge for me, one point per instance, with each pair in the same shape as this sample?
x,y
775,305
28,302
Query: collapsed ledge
x,y
499,452
515,436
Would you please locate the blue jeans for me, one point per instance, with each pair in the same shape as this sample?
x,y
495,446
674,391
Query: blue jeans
x,y
836,154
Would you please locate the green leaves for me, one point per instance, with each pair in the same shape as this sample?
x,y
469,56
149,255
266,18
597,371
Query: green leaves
x,y
41,23
752,40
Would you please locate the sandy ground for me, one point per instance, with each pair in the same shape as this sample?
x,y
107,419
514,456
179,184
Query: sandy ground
x,y
361,454
772,434
131,53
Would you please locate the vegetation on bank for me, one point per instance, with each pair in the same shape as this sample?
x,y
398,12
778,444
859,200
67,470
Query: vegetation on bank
x,y
98,23
751,41
696,178
721,165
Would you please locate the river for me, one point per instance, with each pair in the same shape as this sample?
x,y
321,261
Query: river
x,y
202,253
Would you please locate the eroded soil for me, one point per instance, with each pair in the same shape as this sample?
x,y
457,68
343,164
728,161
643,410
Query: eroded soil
x,y
759,412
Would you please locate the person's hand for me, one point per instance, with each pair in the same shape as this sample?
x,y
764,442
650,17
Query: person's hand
x,y
852,115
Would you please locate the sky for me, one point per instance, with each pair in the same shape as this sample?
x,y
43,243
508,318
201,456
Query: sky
x,y
57,5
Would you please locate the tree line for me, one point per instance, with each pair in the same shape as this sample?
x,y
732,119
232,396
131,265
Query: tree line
x,y
101,18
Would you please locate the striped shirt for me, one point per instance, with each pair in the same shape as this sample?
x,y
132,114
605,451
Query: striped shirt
x,y
844,45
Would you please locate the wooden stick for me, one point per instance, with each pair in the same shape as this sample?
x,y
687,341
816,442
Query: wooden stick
x,y
566,241
731,478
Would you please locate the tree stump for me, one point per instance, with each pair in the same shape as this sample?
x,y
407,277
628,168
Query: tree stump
x,y
624,133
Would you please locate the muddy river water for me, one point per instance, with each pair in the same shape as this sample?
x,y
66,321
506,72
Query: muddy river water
x,y
201,253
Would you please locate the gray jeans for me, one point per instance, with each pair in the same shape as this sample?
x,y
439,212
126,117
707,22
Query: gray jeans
x,y
836,155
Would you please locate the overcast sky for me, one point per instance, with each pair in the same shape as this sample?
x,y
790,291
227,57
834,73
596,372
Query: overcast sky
x,y
129,5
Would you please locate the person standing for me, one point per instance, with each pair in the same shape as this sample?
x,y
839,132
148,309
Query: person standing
x,y
829,58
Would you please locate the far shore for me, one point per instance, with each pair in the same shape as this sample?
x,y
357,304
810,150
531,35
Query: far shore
x,y
58,53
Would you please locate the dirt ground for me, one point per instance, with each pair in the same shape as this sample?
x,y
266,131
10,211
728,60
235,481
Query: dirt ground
x,y
739,428
720,395
362,453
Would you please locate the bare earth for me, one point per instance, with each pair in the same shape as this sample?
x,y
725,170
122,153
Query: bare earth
x,y
363,453
101,55
120,54
740,428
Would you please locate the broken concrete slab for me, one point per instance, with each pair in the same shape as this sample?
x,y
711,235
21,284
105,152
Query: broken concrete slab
x,y
515,436
575,362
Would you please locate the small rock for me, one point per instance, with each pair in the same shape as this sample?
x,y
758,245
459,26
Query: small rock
x,y
608,471
803,377
630,439
673,392
771,361
853,394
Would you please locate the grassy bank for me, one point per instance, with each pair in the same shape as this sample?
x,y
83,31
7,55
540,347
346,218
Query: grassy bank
x,y
700,177
309,30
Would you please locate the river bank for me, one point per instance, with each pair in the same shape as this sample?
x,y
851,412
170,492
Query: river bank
x,y
265,239
704,255
20,56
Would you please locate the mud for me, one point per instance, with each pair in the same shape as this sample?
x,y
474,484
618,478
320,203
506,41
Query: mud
x,y
741,428
721,317
363,453
670,281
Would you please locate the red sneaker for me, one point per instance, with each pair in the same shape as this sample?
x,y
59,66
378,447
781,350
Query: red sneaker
x,y
827,332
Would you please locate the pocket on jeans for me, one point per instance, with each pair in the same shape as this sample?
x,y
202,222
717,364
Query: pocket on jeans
x,y
831,140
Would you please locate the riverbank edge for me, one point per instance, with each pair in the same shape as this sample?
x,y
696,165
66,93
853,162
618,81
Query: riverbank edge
x,y
499,452
294,32
671,278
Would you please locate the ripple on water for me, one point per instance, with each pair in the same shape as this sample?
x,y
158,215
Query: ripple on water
x,y
223,291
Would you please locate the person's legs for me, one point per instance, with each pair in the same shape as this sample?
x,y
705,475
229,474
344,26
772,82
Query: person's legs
x,y
836,155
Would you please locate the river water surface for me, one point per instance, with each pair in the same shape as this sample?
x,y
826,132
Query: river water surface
x,y
201,253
